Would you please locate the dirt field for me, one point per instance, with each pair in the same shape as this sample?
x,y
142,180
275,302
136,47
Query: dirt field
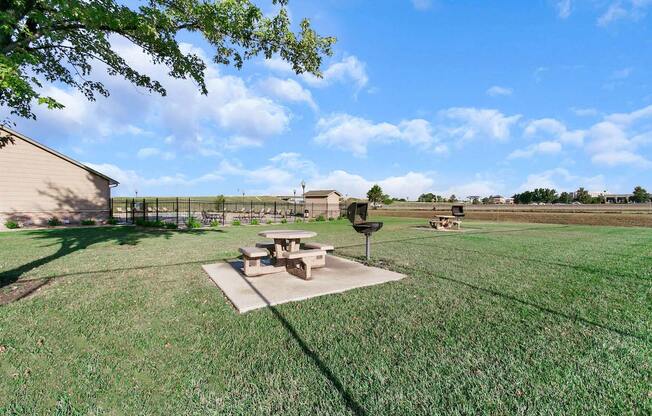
x,y
626,219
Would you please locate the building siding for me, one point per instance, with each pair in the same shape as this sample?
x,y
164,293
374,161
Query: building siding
x,y
36,185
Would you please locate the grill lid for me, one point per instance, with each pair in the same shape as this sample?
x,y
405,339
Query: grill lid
x,y
458,210
357,212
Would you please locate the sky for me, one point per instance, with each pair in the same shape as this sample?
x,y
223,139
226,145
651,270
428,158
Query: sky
x,y
449,97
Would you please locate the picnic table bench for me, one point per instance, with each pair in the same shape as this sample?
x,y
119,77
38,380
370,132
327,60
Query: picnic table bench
x,y
286,254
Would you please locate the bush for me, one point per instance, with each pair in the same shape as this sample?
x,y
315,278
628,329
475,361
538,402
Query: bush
x,y
298,220
88,222
269,221
215,223
112,221
11,224
331,219
170,226
54,221
255,221
193,223
235,222
284,221
321,218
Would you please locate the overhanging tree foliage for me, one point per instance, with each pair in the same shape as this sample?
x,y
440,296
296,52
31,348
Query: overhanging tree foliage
x,y
59,41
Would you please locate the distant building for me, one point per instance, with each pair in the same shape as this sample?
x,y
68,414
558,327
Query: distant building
x,y
38,183
617,198
322,202
497,199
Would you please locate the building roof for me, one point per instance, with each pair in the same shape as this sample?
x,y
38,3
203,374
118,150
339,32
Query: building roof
x,y
112,182
321,193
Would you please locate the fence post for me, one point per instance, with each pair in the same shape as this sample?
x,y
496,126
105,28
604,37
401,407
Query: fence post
x,y
157,209
251,210
223,214
188,208
133,211
126,210
176,210
144,209
275,212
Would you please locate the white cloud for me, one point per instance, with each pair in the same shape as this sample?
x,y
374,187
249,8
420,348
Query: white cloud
x,y
621,73
130,181
561,180
422,4
553,129
410,185
548,147
564,8
497,90
184,114
288,90
470,123
355,134
624,9
147,152
585,112
349,69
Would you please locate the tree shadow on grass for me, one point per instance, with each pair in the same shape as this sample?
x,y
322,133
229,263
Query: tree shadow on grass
x,y
345,395
68,240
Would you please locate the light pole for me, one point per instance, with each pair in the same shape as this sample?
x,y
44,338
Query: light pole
x,y
295,201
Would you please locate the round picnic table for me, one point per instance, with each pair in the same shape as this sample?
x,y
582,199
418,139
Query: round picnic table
x,y
286,241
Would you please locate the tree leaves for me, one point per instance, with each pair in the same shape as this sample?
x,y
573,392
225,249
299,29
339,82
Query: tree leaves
x,y
60,41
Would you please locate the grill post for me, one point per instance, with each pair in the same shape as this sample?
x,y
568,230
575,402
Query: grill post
x,y
367,248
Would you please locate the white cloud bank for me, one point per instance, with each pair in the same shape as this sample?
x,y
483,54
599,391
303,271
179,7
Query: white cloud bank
x,y
497,91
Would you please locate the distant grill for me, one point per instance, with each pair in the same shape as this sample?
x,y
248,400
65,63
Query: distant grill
x,y
458,211
357,215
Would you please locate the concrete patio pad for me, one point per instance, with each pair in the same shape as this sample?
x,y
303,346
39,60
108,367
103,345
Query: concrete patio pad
x,y
249,293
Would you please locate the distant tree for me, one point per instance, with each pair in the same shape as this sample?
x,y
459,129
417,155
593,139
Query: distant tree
x,y
486,200
375,195
640,195
219,200
452,198
429,197
565,198
582,195
476,201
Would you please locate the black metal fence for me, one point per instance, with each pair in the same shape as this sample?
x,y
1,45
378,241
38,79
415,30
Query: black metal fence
x,y
180,210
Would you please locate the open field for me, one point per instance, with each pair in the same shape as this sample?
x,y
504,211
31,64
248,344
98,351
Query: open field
x,y
503,319
625,219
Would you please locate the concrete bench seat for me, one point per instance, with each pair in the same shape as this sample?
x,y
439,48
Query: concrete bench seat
x,y
300,263
268,246
252,259
319,246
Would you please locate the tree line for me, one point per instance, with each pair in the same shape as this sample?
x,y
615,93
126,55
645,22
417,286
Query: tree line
x,y
550,196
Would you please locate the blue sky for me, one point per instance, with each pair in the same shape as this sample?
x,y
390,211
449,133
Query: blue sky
x,y
470,98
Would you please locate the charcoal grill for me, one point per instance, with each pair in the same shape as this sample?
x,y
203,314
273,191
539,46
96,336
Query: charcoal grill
x,y
458,211
357,215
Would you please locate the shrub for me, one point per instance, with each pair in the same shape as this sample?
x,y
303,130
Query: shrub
x,y
112,221
215,223
193,222
255,221
269,221
298,220
284,221
54,221
11,224
331,219
321,218
170,225
235,222
88,222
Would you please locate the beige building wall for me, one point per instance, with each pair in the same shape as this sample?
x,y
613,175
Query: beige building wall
x,y
36,185
328,206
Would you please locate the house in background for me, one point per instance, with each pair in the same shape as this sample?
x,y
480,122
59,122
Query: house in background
x,y
38,183
496,199
322,202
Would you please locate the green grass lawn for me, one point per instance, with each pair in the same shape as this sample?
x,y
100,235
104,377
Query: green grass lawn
x,y
510,318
